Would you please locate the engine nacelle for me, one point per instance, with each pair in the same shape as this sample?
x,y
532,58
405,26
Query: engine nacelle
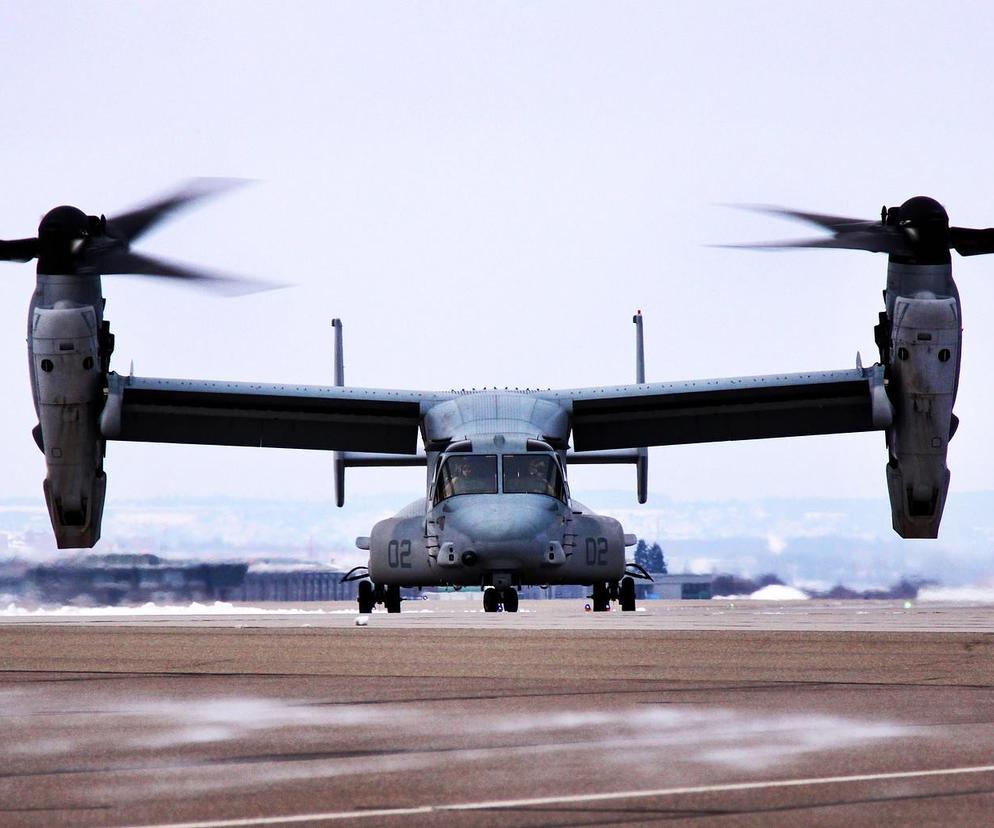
x,y
66,368
925,342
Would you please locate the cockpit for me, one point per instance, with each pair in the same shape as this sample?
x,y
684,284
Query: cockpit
x,y
530,473
461,474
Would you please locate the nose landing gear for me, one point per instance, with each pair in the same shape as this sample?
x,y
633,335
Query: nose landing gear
x,y
494,599
509,598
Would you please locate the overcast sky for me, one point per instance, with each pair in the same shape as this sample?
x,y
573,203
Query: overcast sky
x,y
486,192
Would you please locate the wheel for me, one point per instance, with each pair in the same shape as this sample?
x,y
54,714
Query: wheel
x,y
627,594
509,598
490,599
366,598
391,599
601,597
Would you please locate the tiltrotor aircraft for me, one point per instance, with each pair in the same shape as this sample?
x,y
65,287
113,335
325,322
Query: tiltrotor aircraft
x,y
497,511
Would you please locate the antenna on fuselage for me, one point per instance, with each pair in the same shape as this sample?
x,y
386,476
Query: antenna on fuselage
x,y
642,464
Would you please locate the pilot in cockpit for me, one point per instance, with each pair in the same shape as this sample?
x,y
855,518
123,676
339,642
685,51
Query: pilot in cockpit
x,y
539,481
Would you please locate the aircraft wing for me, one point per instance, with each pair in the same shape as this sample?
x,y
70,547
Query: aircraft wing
x,y
738,408
338,418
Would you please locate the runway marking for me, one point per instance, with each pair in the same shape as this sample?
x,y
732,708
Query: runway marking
x,y
500,804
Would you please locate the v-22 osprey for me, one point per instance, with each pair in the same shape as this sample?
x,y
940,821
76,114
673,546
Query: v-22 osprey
x,y
497,511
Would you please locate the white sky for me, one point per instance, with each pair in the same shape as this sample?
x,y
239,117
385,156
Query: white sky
x,y
486,192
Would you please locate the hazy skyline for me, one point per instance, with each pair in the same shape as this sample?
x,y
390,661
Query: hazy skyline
x,y
529,172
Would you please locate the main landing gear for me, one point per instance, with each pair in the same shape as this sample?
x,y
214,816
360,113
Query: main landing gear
x,y
367,599
622,591
370,596
495,599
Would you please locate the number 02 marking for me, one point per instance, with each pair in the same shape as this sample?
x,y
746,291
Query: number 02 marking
x,y
596,551
399,554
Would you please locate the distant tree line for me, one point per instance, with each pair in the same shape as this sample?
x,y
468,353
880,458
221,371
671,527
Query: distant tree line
x,y
650,557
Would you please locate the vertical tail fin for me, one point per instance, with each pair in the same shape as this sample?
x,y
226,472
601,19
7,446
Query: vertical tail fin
x,y
639,349
338,458
642,464
339,353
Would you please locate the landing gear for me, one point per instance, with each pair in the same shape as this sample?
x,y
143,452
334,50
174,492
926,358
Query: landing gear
x,y
626,594
370,594
496,599
621,591
601,599
367,598
391,598
509,598
491,598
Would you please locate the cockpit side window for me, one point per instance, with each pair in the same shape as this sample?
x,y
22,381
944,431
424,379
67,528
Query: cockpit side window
x,y
466,474
533,474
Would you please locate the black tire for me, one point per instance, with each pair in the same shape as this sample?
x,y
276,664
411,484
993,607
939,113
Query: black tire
x,y
490,599
391,599
509,599
366,598
627,594
601,598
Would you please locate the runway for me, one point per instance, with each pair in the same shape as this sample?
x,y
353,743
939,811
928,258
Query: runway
x,y
687,713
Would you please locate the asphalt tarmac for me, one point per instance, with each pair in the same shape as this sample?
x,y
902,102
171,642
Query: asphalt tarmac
x,y
808,713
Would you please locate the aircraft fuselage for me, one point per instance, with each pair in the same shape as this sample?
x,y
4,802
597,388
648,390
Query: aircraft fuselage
x,y
497,509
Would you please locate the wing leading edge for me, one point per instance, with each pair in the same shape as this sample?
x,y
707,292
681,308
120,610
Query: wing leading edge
x,y
739,408
272,416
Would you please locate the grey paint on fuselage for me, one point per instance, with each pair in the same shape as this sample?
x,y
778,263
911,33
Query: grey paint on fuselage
x,y
496,538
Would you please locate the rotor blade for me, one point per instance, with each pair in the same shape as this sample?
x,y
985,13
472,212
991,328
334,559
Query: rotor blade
x,y
124,262
848,233
129,226
873,241
18,250
834,223
969,242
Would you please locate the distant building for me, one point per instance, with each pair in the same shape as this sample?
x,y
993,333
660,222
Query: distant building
x,y
675,587
109,580
290,583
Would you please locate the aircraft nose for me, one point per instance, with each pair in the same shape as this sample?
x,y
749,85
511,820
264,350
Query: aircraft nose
x,y
500,521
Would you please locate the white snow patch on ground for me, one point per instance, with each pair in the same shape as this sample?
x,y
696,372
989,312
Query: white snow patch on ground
x,y
153,737
217,608
977,594
778,592
773,592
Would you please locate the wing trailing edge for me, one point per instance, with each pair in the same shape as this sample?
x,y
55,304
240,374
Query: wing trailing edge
x,y
745,408
269,416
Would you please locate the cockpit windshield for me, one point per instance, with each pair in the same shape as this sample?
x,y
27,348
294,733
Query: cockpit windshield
x,y
533,474
466,474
